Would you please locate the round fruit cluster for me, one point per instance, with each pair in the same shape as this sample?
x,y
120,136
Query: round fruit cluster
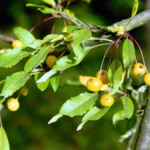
x,y
95,84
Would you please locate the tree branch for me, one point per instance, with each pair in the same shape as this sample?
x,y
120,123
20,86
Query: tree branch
x,y
138,20
143,140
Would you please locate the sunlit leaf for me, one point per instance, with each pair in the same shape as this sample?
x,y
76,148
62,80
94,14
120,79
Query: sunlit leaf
x,y
88,1
46,76
37,59
33,5
12,57
4,144
134,9
60,37
79,105
55,118
51,11
50,2
43,85
79,37
128,53
93,114
14,82
23,35
54,80
69,37
72,29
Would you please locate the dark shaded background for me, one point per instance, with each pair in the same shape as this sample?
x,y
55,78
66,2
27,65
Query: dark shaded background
x,y
27,128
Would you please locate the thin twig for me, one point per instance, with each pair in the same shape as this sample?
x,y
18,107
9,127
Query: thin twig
x,y
42,22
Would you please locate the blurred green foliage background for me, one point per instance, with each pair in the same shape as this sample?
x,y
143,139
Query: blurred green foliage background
x,y
27,128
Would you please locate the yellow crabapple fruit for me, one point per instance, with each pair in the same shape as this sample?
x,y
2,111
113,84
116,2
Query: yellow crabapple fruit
x,y
147,79
13,104
138,69
24,91
50,60
94,84
17,44
106,100
103,76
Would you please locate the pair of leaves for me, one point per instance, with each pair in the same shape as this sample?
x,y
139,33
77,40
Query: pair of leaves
x,y
75,106
127,112
115,75
93,114
54,80
4,144
79,105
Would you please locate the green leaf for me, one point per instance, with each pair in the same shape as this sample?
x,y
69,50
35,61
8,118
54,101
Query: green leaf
x,y
134,9
23,35
33,5
46,76
50,37
88,1
37,59
79,105
4,144
93,114
60,37
55,118
50,2
128,107
43,85
12,57
71,29
35,44
54,80
14,82
127,112
117,117
128,53
38,43
115,75
51,11
79,37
